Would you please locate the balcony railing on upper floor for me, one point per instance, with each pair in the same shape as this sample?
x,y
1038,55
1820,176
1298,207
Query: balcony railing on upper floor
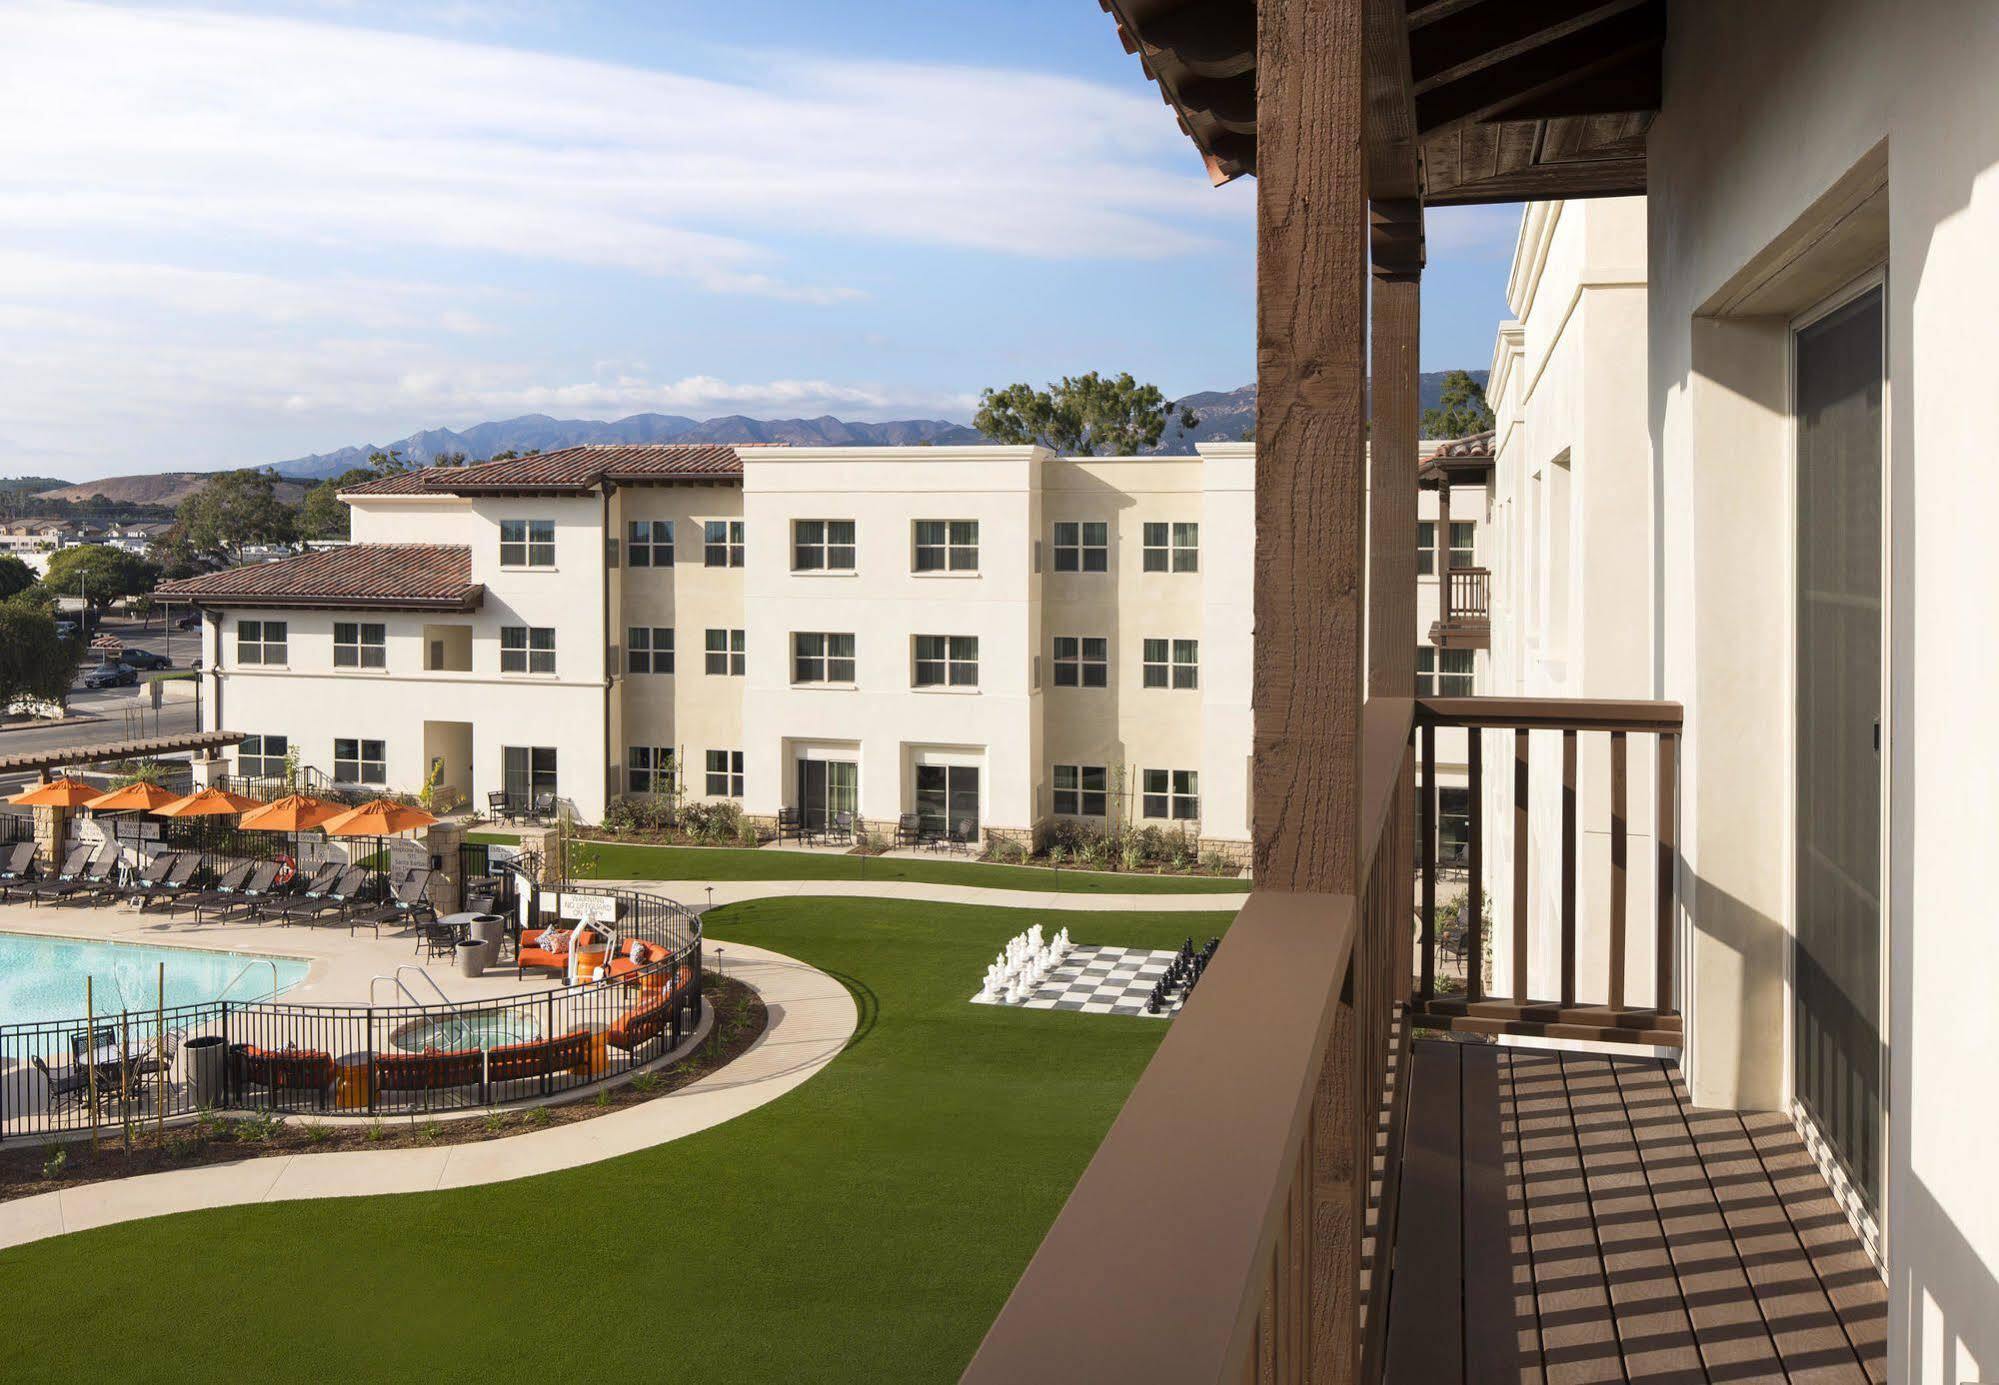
x,y
1464,617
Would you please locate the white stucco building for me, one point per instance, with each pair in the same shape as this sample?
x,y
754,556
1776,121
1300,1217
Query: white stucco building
x,y
990,638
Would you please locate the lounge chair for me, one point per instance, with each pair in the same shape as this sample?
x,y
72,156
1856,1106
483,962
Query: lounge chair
x,y
340,897
407,905
179,880
255,888
17,867
99,880
226,888
322,879
153,873
65,881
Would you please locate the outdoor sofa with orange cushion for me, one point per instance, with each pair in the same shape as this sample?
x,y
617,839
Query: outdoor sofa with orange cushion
x,y
540,1057
533,954
650,1018
286,1069
640,955
428,1072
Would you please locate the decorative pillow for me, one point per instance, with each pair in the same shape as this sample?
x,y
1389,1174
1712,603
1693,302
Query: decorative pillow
x,y
555,939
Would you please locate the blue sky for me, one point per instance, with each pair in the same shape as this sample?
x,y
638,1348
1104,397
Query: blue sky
x,y
238,233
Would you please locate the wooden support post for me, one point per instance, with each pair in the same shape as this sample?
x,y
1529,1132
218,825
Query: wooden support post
x,y
1310,568
1443,560
1426,854
1619,849
1520,855
1568,867
1391,593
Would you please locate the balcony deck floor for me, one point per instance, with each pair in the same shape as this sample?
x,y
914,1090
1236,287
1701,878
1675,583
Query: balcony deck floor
x,y
1570,1217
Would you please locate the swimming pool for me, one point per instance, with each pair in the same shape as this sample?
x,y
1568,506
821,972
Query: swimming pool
x,y
41,979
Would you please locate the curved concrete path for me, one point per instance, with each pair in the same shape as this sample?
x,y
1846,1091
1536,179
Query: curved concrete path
x,y
693,893
811,1018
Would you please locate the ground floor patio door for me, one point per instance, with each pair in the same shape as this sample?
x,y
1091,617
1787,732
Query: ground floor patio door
x,y
826,789
947,800
1838,1055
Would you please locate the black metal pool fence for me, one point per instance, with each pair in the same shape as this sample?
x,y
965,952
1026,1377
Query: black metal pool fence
x,y
102,1070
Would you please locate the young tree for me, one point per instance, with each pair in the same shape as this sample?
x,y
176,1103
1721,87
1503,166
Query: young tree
x,y
323,514
15,576
99,574
172,554
36,664
1082,415
1461,409
233,511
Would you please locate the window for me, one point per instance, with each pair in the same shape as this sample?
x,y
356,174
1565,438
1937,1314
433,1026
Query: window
x,y
359,762
649,769
1452,677
1082,662
1426,548
527,543
528,772
1172,664
725,774
1463,542
1173,793
359,646
947,545
260,642
822,658
725,652
822,545
527,649
1172,547
1081,790
262,757
1453,826
649,649
947,660
722,543
649,543
1083,547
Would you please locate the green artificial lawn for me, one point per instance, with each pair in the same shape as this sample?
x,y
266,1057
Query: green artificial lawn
x,y
866,1226
629,861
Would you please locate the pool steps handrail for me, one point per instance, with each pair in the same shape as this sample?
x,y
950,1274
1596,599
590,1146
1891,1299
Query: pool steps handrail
x,y
428,980
241,972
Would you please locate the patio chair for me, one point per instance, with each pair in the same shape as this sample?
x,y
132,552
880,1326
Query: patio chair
x,y
179,880
348,893
321,880
435,938
17,867
408,904
909,830
542,809
964,834
158,1057
65,881
788,823
154,872
99,880
841,829
72,1084
319,896
257,886
226,888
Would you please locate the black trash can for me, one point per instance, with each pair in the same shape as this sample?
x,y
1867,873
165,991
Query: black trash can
x,y
207,1069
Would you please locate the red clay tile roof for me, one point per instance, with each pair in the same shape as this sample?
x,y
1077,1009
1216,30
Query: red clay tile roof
x,y
570,469
403,576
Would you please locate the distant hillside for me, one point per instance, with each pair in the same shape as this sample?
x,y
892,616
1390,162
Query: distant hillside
x,y
157,488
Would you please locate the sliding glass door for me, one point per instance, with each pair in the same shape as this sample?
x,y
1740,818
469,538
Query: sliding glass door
x,y
947,799
826,789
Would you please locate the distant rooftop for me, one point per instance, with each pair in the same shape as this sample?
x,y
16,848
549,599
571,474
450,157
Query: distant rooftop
x,y
384,576
573,470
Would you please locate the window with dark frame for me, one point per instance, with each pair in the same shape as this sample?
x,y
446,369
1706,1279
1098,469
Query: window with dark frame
x,y
359,762
1173,794
1174,547
649,649
359,645
1081,790
822,545
528,773
649,543
262,757
1082,661
1426,548
946,545
527,543
1171,664
261,642
725,774
1444,672
822,657
1083,546
1464,543
649,769
725,653
527,649
722,543
947,661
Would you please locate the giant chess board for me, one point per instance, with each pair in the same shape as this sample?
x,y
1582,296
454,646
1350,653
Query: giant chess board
x,y
1102,981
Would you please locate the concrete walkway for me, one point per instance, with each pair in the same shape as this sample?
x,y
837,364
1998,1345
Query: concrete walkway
x,y
811,1018
694,894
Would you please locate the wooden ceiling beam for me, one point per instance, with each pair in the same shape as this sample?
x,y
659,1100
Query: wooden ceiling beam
x,y
1488,92
1444,53
1584,178
1633,83
1421,14
1394,150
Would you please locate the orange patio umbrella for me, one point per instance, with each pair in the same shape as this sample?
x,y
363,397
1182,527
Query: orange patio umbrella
x,y
58,793
378,818
207,803
139,797
294,813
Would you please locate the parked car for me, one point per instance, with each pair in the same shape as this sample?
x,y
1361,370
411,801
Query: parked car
x,y
66,630
112,676
145,659
190,621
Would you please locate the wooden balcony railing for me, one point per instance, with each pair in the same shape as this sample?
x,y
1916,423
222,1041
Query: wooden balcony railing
x,y
1217,1234
1609,1014
1470,595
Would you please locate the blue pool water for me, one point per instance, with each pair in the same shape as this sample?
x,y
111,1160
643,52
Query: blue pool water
x,y
41,979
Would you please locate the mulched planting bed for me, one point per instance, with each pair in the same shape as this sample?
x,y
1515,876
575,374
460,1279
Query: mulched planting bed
x,y
28,1167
